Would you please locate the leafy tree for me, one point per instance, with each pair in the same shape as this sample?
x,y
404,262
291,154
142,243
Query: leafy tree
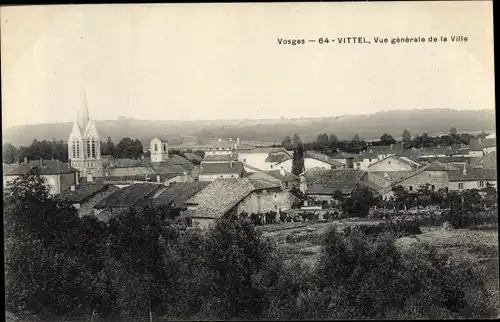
x,y
296,141
387,139
323,140
108,147
406,136
298,160
359,202
287,143
9,153
128,148
332,142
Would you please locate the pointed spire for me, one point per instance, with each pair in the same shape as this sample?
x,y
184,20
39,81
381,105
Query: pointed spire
x,y
83,118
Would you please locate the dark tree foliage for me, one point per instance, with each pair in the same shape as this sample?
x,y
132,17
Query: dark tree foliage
x,y
144,264
359,202
298,160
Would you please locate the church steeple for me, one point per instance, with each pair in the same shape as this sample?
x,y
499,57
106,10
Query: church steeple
x,y
83,117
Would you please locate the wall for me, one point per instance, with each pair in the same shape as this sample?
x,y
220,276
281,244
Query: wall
x,y
310,163
67,180
286,165
390,164
263,201
212,177
87,207
257,160
476,153
470,185
182,178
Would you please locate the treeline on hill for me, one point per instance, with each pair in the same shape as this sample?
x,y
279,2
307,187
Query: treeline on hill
x,y
126,148
143,265
330,144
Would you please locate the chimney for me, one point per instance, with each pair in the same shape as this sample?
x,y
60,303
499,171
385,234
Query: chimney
x,y
25,160
392,146
349,163
73,187
220,140
41,162
465,170
89,178
158,178
479,140
231,164
106,173
326,158
282,172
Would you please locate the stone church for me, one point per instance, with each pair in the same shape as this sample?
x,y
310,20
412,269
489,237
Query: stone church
x,y
84,145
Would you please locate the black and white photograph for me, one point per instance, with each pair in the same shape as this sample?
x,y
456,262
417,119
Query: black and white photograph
x,y
249,161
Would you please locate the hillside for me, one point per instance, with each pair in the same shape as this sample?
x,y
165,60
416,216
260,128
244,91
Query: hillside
x,y
434,121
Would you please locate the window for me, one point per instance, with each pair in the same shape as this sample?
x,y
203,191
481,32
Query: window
x,y
164,147
271,166
221,176
156,147
460,185
89,149
411,188
94,144
369,160
481,184
232,176
74,149
389,162
78,149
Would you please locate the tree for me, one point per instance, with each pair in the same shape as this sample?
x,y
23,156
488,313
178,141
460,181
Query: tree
x,y
453,131
108,147
406,136
287,143
332,142
295,141
323,140
359,202
128,148
298,160
9,153
387,139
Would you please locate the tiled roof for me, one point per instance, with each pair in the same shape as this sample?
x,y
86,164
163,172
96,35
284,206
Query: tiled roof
x,y
440,166
168,169
393,176
489,160
129,172
222,168
222,195
385,149
126,163
83,191
278,175
417,172
473,175
278,157
370,185
445,159
327,181
135,195
45,166
323,158
179,193
224,157
412,164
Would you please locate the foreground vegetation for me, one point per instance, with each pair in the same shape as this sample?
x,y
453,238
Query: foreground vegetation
x,y
143,265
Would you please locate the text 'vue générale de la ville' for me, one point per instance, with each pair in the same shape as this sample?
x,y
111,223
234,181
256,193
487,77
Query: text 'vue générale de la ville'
x,y
373,40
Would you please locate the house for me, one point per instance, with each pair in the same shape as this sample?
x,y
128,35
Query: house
x,y
237,196
177,194
480,147
257,158
228,170
364,160
314,159
472,179
393,163
489,161
287,180
58,175
86,195
279,160
158,148
136,196
171,178
322,184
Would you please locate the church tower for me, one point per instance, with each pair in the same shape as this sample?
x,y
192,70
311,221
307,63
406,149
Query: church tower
x,y
84,144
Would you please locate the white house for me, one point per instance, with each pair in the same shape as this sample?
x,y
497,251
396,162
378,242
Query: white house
x,y
472,179
393,163
257,157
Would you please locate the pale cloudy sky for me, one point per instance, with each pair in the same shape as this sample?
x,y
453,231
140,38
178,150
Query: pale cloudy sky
x,y
210,61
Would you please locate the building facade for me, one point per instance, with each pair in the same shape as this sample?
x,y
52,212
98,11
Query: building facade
x,y
84,144
158,148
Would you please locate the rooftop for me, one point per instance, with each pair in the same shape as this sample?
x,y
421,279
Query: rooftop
x,y
473,175
323,157
83,191
327,181
46,167
135,195
221,168
179,193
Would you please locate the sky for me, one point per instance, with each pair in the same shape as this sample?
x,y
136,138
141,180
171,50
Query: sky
x,y
223,61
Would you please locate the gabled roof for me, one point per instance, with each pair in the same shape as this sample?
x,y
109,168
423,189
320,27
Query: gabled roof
x,y
327,181
222,195
161,138
405,161
489,160
83,192
135,195
192,156
179,193
221,168
279,175
473,175
278,157
323,158
46,167
480,144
